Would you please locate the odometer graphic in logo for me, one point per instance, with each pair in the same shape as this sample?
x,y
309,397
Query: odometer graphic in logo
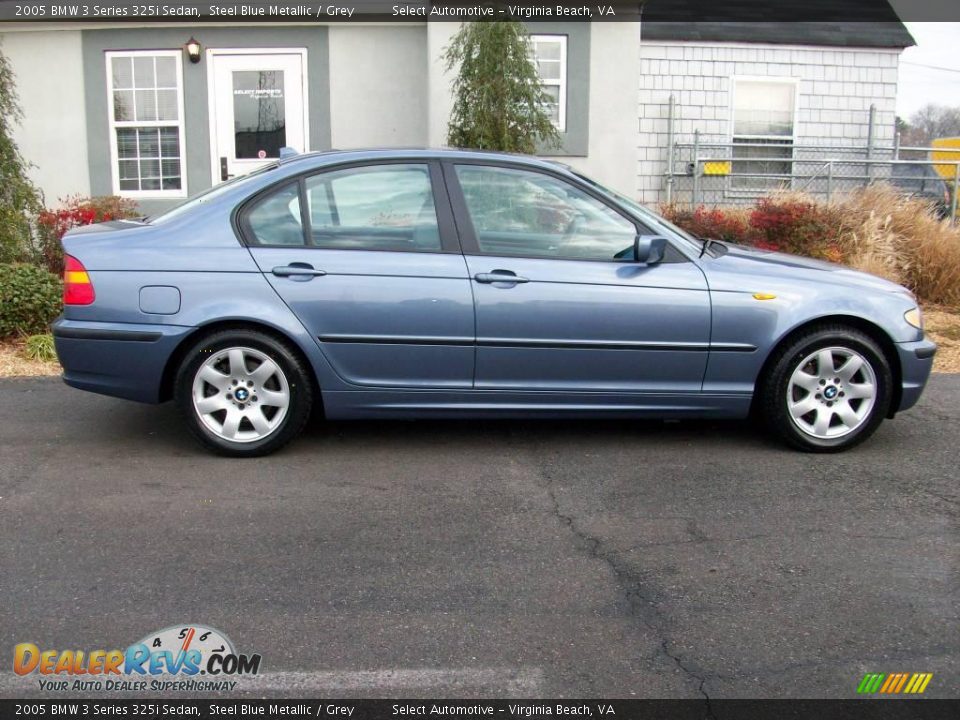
x,y
188,650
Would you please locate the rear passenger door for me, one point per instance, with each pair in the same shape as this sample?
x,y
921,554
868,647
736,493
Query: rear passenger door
x,y
367,257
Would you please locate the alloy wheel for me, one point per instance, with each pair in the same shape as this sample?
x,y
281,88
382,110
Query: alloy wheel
x,y
831,392
240,394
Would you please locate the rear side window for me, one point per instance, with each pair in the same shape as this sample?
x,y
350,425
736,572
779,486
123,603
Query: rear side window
x,y
381,207
275,219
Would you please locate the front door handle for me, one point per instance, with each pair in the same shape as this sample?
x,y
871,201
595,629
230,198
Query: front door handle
x,y
502,276
298,270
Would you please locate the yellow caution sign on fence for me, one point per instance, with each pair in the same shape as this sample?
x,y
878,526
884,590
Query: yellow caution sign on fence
x,y
720,167
948,150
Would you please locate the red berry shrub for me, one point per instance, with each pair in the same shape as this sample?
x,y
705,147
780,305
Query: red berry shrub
x,y
75,211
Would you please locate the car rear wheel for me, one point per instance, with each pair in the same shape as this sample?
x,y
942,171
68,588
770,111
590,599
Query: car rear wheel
x,y
827,390
243,393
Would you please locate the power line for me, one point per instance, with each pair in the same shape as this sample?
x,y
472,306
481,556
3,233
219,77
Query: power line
x,y
930,67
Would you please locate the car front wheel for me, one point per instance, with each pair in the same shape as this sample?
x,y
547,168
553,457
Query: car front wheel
x,y
243,393
827,390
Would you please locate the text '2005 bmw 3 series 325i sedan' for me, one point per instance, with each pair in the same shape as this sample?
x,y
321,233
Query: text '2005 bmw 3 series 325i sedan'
x,y
442,283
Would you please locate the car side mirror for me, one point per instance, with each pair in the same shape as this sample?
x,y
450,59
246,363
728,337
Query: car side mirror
x,y
649,249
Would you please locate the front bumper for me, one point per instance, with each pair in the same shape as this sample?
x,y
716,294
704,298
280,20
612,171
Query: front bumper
x,y
916,362
124,360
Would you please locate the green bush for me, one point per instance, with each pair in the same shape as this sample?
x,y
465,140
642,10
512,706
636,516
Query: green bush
x,y
30,298
40,347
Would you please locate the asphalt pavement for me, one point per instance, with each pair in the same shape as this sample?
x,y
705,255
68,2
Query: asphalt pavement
x,y
512,558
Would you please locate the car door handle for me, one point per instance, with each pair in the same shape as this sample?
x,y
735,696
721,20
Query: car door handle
x,y
297,270
504,276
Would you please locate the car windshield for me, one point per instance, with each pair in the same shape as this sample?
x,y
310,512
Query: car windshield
x,y
207,195
648,217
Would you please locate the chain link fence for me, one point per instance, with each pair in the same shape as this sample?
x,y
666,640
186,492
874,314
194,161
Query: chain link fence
x,y
741,172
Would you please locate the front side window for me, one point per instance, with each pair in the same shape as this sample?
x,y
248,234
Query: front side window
x,y
763,128
382,207
550,56
524,213
146,123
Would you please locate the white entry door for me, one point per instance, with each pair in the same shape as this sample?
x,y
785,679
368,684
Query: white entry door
x,y
258,105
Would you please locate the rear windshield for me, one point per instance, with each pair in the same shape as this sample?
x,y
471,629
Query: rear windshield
x,y
207,195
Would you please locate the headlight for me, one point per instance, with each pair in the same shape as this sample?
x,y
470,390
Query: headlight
x,y
914,317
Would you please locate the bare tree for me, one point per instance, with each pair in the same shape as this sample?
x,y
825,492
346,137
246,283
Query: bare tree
x,y
930,122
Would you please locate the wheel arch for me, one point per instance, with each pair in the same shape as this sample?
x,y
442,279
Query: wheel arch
x,y
868,328
203,331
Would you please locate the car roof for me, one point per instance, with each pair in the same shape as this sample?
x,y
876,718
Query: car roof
x,y
375,153
910,170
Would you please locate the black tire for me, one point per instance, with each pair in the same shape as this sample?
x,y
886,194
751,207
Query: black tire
x,y
296,373
774,387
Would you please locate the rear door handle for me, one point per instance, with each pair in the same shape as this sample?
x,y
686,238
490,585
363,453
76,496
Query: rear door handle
x,y
302,270
503,276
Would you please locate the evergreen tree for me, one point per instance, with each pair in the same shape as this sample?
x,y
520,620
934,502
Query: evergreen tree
x,y
19,199
499,101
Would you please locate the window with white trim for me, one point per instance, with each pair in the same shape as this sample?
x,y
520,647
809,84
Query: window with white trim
x,y
146,123
550,55
764,114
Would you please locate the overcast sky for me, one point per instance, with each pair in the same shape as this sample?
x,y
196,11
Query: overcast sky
x,y
921,79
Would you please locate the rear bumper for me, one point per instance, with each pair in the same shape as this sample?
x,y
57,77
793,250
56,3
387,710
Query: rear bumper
x,y
916,362
124,360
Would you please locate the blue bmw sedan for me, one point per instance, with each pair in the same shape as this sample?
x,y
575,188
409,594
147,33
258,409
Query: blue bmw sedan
x,y
444,283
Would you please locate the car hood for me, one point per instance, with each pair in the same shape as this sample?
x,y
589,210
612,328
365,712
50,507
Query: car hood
x,y
746,261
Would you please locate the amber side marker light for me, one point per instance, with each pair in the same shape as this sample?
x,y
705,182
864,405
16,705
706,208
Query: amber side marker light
x,y
77,288
914,317
764,296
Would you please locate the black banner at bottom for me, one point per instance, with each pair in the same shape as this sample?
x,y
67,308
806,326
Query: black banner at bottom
x,y
873,709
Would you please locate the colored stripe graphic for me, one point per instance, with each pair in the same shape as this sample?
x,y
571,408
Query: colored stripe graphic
x,y
894,683
918,683
870,683
891,682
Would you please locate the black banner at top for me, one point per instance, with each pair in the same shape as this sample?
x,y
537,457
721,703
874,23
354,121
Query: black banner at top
x,y
652,11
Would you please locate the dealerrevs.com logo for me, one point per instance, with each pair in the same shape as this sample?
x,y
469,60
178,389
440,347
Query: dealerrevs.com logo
x,y
178,658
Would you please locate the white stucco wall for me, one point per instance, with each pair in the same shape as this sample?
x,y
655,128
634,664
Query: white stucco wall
x,y
614,78
836,88
378,85
439,81
53,134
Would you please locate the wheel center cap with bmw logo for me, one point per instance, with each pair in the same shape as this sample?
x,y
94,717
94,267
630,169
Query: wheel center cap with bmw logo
x,y
242,394
830,393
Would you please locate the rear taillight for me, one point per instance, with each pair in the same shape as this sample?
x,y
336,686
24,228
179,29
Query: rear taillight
x,y
77,288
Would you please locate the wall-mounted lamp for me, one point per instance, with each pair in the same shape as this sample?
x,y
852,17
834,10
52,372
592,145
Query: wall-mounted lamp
x,y
193,49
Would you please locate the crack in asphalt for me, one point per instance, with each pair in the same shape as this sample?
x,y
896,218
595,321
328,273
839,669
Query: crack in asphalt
x,y
643,606
703,539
